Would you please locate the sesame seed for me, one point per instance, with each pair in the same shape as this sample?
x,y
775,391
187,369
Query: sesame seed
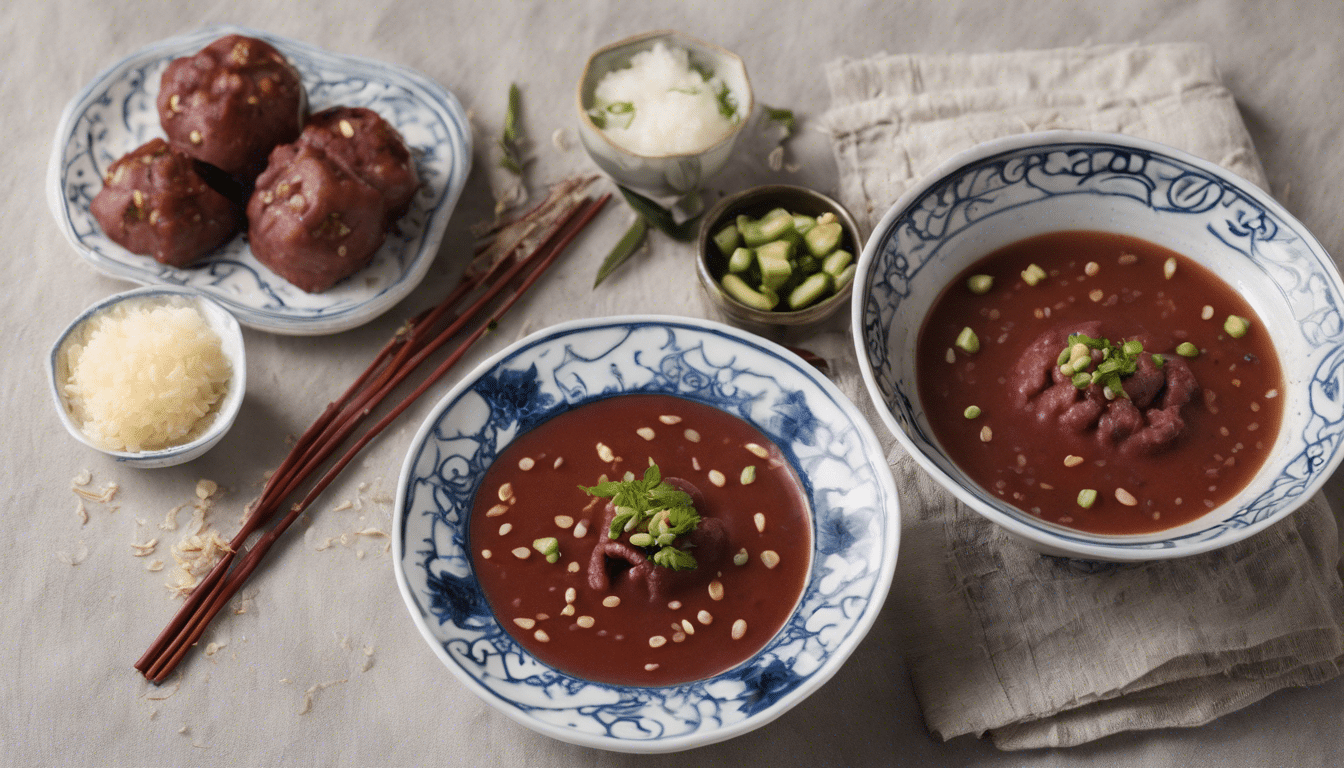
x,y
674,605
692,435
506,492
541,636
563,521
1092,268
695,464
770,558
650,667
739,629
611,601
573,567
1127,259
645,432
526,463
571,595
1125,497
505,528
604,453
951,355
705,618
525,622
687,627
568,610
497,510
668,419
716,477
1271,394
347,130
986,434
1206,313
195,137
522,553
485,553
581,529
657,641
678,636
558,461
759,520
759,450
1096,294
1072,461
716,590
585,621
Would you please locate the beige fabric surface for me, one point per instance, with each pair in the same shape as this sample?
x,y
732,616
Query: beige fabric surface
x,y
1041,651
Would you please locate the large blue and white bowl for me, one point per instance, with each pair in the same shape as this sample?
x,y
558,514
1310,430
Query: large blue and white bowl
x,y
855,524
1017,187
115,113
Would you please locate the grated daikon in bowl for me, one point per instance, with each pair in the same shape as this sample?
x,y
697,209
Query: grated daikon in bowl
x,y
144,374
662,105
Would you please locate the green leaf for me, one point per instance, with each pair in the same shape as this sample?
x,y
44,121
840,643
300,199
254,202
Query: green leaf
x,y
623,250
784,117
511,114
659,217
677,560
727,104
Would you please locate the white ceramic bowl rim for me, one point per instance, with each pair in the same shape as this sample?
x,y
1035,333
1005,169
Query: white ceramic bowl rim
x,y
1205,184
228,407
856,530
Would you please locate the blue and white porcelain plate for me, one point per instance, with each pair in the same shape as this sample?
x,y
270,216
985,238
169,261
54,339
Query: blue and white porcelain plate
x,y
855,523
115,114
1020,186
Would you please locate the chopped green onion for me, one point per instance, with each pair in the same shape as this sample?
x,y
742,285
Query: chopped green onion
x,y
972,411
1236,326
1186,349
1087,497
967,341
980,284
1159,360
1033,274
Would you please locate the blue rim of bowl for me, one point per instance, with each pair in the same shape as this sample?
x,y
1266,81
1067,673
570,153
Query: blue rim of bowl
x,y
784,693
1203,175
453,140
228,408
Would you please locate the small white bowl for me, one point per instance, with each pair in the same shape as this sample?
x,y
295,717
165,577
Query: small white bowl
x,y
671,174
1017,187
231,338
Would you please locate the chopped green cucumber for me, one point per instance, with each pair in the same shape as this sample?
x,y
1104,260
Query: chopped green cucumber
x,y
744,293
728,239
824,238
801,223
836,262
741,260
810,290
776,223
773,259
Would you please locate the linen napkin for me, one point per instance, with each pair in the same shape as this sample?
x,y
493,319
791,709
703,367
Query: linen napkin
x,y
1039,651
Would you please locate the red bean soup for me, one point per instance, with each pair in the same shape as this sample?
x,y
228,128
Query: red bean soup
x,y
1100,382
601,609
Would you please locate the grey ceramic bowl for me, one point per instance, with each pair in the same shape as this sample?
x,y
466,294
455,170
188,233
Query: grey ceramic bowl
x,y
710,264
670,174
231,338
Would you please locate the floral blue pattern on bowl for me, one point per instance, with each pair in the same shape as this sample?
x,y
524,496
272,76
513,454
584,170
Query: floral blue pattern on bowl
x,y
850,488
116,113
1017,187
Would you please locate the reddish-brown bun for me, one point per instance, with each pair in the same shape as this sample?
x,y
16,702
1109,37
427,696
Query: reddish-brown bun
x,y
311,221
230,103
153,202
365,145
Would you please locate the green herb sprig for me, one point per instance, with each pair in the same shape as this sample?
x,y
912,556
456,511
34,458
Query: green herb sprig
x,y
652,514
510,158
1116,362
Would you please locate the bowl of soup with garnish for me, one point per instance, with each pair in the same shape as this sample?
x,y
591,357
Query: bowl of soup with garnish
x,y
644,534
1112,349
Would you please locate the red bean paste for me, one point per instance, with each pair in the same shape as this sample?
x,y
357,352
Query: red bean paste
x,y
1187,433
603,610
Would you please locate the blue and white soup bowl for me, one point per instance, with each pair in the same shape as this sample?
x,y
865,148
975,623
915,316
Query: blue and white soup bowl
x,y
854,516
1021,186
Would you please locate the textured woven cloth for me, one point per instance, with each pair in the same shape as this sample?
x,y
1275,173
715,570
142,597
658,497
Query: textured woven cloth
x,y
1039,651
